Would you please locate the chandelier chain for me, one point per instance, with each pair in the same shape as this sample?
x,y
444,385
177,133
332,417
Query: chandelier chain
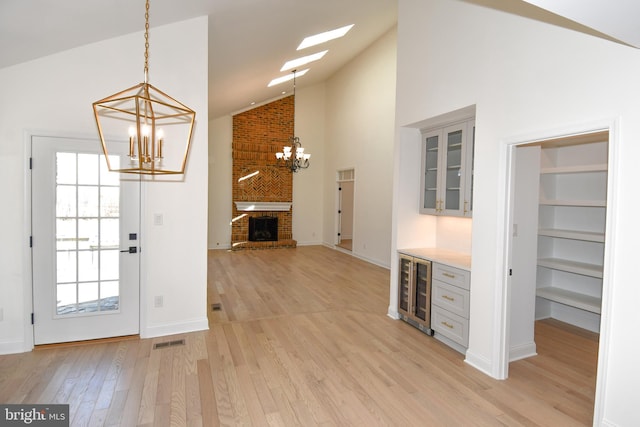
x,y
146,42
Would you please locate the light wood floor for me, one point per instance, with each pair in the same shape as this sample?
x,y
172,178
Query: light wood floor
x,y
302,339
346,244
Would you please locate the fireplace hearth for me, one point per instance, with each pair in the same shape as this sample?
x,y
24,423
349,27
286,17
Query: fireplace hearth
x,y
263,229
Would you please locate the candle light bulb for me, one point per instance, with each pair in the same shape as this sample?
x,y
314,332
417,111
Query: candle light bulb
x,y
132,131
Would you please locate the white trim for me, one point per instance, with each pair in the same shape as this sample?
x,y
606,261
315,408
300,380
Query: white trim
x,y
608,280
522,351
263,206
27,290
479,362
174,328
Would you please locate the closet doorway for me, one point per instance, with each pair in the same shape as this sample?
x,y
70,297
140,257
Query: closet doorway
x,y
557,256
345,186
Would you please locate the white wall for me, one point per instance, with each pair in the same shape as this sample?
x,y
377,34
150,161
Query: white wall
x,y
359,135
54,95
308,183
220,185
526,78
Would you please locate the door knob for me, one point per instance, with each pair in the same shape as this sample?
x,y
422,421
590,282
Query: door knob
x,y
131,250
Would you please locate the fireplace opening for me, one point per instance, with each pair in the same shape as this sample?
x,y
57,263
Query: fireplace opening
x,y
263,229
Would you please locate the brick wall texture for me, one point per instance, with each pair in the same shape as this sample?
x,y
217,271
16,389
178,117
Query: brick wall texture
x,y
257,135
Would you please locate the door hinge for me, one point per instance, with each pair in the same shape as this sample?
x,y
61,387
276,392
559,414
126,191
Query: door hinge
x,y
510,272
30,241
30,162
338,234
33,322
339,212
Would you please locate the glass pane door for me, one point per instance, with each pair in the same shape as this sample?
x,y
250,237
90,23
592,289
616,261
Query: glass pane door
x,y
431,172
403,285
454,170
85,257
422,293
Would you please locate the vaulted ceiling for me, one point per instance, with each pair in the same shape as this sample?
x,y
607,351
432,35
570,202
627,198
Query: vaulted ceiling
x,y
249,40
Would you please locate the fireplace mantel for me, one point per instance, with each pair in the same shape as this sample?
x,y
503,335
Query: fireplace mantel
x,y
262,206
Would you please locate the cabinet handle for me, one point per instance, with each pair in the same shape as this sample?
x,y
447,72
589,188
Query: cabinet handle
x,y
449,275
448,325
447,297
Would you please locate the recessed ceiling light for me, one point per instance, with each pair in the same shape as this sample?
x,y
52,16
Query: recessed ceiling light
x,y
324,37
286,78
295,63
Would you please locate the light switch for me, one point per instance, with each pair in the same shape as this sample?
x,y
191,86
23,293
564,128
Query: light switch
x,y
158,219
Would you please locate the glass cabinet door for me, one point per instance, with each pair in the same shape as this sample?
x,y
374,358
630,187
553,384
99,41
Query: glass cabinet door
x,y
404,283
422,299
430,153
453,179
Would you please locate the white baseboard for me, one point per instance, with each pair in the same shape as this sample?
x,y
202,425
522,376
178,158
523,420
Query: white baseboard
x,y
14,347
522,351
393,313
480,363
175,328
314,243
225,246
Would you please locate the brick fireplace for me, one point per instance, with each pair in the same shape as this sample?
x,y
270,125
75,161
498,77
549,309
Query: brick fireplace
x,y
261,187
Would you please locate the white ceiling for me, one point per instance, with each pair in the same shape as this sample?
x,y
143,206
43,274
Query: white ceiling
x,y
249,40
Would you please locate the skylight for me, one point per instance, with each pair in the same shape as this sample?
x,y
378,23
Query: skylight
x,y
295,63
286,78
324,37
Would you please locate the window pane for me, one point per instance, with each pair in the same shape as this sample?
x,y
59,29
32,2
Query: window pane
x,y
110,233
65,234
88,297
109,265
88,171
66,266
88,234
66,298
65,168
87,266
110,201
109,296
87,201
65,201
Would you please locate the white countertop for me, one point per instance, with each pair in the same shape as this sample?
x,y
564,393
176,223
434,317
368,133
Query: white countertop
x,y
442,256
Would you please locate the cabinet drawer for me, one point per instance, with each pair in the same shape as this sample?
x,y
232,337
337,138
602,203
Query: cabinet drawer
x,y
451,298
452,326
451,275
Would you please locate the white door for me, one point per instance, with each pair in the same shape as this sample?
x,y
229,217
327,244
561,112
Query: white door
x,y
85,226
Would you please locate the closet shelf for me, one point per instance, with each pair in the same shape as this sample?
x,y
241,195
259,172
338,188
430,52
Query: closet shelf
x,y
573,299
579,203
576,267
574,169
588,236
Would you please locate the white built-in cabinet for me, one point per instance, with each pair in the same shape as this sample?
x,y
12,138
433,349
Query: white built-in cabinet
x,y
571,232
447,169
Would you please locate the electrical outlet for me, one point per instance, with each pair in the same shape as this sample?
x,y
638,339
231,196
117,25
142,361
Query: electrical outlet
x,y
158,301
158,219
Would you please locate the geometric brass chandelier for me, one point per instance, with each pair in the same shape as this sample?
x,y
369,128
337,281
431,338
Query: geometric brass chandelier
x,y
142,129
293,155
